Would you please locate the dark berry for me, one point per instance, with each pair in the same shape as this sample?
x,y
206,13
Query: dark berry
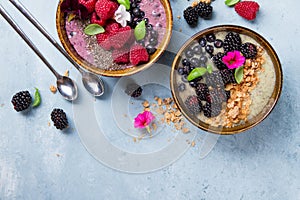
x,y
142,14
189,53
211,110
154,34
153,41
136,12
202,91
195,62
59,118
210,37
133,5
214,79
149,27
217,96
249,50
197,50
21,101
181,87
203,59
228,76
184,78
191,16
193,84
185,62
209,49
146,21
150,49
133,90
181,71
204,10
232,42
202,41
217,60
218,43
193,104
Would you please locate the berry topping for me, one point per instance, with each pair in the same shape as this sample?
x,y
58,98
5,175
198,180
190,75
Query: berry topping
x,y
59,118
210,37
211,110
217,60
191,16
218,43
247,9
121,56
106,9
202,91
204,10
21,100
138,54
249,50
193,104
88,4
232,42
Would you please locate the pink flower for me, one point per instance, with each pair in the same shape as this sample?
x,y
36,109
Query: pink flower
x,y
143,120
233,59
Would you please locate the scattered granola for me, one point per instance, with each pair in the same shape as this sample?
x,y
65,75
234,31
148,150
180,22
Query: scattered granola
x,y
53,89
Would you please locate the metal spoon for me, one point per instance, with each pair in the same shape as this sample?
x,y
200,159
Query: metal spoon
x,y
66,86
91,82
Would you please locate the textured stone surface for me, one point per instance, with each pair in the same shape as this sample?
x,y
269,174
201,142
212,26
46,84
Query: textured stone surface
x,y
39,162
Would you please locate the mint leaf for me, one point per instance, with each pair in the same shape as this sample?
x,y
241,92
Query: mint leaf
x,y
125,3
93,29
231,2
239,74
37,98
209,69
140,30
196,73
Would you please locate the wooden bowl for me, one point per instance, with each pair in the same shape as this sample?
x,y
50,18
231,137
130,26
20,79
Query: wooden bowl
x,y
60,26
256,119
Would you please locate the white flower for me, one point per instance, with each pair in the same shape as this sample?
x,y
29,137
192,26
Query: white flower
x,y
122,16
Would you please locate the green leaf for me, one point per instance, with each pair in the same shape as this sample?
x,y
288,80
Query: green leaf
x,y
231,2
37,98
239,74
93,29
196,73
209,69
140,30
125,3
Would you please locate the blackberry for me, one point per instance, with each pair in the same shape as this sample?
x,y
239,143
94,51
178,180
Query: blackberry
x,y
193,104
249,50
228,94
217,60
21,100
59,118
202,91
217,96
228,76
191,16
214,79
211,110
232,42
133,90
204,10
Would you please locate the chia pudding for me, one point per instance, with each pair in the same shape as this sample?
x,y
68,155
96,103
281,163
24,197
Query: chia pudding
x,y
108,54
215,93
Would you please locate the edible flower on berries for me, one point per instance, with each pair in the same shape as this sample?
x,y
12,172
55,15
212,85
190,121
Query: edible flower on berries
x,y
233,59
122,16
143,120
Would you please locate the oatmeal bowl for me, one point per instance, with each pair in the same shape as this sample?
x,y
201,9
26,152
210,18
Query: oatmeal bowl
x,y
226,79
114,38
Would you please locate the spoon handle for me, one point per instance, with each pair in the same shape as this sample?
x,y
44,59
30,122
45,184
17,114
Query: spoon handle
x,y
15,26
35,22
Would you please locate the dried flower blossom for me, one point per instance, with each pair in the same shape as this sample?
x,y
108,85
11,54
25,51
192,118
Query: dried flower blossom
x,y
233,59
143,120
122,16
74,7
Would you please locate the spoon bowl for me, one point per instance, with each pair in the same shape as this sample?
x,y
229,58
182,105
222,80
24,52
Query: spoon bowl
x,y
67,88
93,84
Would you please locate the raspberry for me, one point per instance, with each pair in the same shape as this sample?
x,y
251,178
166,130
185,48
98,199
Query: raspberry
x,y
121,56
106,9
88,4
247,9
96,20
103,41
138,54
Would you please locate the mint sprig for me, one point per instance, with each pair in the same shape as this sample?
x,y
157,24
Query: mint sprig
x,y
140,30
239,74
196,73
93,29
125,3
231,2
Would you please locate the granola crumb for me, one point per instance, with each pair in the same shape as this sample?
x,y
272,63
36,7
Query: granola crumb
x,y
53,89
193,143
67,73
134,139
49,124
178,17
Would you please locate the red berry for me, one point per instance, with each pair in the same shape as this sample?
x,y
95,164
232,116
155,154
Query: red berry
x,y
103,41
120,38
106,9
121,56
138,54
247,9
96,20
88,4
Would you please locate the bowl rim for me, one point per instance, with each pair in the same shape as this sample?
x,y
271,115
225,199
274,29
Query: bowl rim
x,y
116,73
277,88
